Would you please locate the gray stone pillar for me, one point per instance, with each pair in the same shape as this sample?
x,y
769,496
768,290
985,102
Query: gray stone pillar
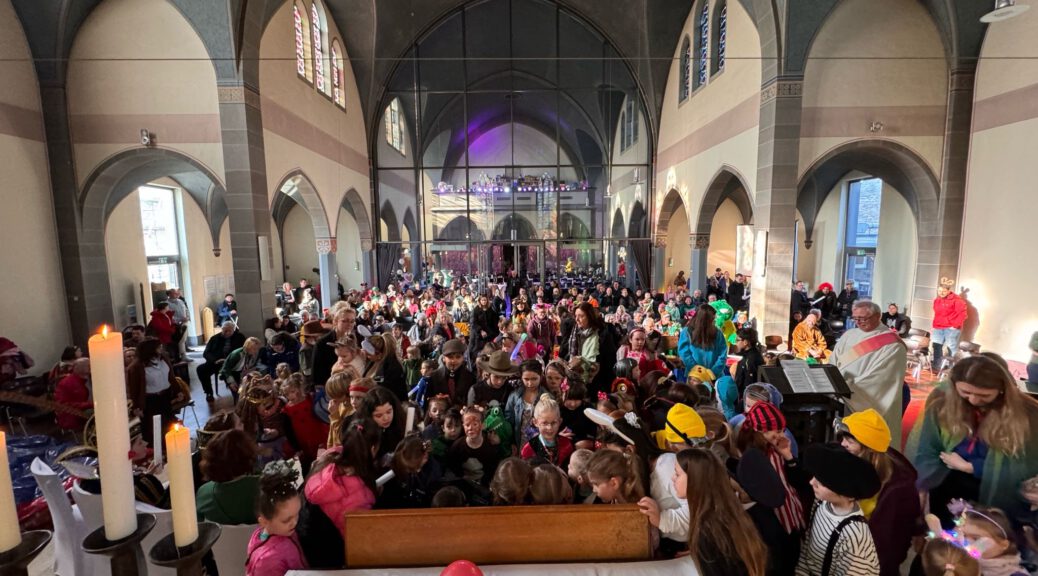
x,y
940,234
778,152
367,262
241,126
697,269
659,258
326,248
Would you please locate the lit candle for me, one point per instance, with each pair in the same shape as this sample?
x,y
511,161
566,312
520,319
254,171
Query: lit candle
x,y
156,439
113,433
8,514
181,485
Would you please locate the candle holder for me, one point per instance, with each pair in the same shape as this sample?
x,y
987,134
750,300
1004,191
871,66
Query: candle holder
x,y
187,559
125,555
16,560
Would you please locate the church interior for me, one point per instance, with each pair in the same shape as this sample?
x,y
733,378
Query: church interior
x,y
210,151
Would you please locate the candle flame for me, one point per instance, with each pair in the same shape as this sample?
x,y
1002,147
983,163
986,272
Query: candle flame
x,y
104,331
176,427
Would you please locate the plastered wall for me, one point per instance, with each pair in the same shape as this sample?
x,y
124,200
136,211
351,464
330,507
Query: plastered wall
x,y
875,60
137,64
997,256
32,296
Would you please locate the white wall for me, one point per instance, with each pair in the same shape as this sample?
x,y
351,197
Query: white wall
x,y
998,240
300,246
349,253
32,295
723,238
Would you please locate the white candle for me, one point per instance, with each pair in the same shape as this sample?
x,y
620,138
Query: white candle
x,y
181,485
113,433
410,420
156,438
9,538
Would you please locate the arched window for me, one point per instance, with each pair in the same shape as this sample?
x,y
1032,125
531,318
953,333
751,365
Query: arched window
x,y
304,59
628,125
686,68
702,43
338,76
395,126
623,131
319,25
720,37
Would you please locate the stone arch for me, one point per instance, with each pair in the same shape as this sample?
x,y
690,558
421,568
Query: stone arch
x,y
461,228
112,181
410,225
388,214
672,202
905,171
296,188
355,205
524,230
618,230
726,184
641,245
572,228
765,16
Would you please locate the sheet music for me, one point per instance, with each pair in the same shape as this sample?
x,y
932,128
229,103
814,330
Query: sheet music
x,y
796,372
803,379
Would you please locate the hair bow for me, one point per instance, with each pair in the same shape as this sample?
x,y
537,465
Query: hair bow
x,y
565,385
603,396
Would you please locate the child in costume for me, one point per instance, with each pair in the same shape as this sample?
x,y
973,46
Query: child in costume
x,y
615,477
548,444
838,538
274,547
310,433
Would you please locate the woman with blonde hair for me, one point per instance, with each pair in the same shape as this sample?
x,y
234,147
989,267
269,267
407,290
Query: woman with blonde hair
x,y
382,365
976,439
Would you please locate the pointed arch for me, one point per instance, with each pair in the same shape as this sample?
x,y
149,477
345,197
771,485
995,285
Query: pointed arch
x,y
618,230
461,228
355,205
296,188
727,184
517,223
672,202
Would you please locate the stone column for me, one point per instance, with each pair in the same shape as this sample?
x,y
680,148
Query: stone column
x,y
241,126
326,248
778,152
659,257
697,269
367,262
940,222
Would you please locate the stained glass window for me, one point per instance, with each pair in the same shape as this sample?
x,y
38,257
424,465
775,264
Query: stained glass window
x,y
686,68
628,126
338,76
395,126
304,63
320,31
721,34
703,43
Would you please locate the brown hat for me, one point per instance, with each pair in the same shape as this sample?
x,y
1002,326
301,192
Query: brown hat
x,y
453,346
499,363
313,328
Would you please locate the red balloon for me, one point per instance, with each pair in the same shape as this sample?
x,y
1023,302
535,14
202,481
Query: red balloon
x,y
461,568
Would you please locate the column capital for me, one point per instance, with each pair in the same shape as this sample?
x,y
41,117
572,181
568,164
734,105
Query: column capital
x,y
238,94
792,87
327,246
659,241
700,241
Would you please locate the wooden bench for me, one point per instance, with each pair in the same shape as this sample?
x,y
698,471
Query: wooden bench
x,y
496,535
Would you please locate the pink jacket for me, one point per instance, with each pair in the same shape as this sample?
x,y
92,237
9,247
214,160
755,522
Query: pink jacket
x,y
275,556
338,494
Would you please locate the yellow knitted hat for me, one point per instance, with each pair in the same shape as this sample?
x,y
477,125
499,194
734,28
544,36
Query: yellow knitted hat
x,y
702,374
869,429
684,425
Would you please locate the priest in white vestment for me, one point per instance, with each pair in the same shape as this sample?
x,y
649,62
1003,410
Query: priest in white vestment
x,y
872,359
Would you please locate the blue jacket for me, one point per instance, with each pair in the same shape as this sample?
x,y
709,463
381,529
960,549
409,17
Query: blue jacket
x,y
514,413
715,359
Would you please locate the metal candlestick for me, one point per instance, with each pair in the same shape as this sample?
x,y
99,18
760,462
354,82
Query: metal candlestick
x,y
16,560
187,559
125,555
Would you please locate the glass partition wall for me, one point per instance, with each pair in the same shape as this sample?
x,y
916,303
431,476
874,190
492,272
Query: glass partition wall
x,y
514,139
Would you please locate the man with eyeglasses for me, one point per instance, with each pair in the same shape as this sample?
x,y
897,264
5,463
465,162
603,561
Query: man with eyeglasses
x,y
872,359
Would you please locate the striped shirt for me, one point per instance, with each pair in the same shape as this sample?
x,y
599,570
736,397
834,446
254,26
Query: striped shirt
x,y
791,513
855,552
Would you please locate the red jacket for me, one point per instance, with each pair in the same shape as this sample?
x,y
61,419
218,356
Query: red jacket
x,y
949,312
310,432
72,391
161,326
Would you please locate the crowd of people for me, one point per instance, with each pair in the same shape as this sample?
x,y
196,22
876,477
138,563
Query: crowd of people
x,y
444,396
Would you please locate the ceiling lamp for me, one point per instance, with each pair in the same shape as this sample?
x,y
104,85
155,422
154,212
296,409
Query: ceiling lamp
x,y
1004,10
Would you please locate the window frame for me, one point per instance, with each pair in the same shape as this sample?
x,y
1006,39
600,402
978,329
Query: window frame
x,y
301,33
719,38
700,46
685,70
